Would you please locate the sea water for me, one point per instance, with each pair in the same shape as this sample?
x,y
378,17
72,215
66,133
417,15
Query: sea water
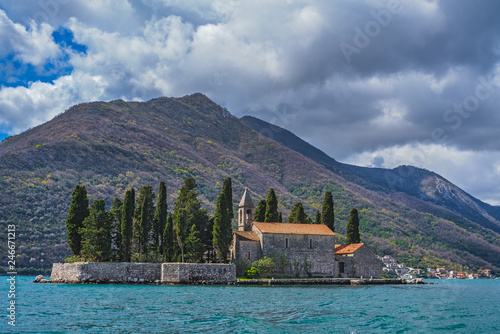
x,y
449,306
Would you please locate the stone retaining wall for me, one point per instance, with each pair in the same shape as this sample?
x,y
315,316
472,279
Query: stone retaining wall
x,y
126,272
95,272
197,273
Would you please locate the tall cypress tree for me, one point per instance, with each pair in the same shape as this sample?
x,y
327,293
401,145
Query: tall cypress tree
x,y
280,217
297,215
96,233
116,222
181,227
144,217
128,209
318,217
271,207
160,218
222,232
167,243
260,211
327,213
78,211
353,228
221,240
227,189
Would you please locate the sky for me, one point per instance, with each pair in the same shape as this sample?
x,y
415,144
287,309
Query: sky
x,y
376,83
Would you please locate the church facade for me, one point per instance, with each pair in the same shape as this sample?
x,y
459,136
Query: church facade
x,y
309,248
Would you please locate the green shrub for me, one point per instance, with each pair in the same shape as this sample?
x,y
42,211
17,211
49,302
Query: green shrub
x,y
252,273
265,266
75,258
242,265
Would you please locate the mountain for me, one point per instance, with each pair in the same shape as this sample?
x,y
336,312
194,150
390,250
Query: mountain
x,y
112,146
416,187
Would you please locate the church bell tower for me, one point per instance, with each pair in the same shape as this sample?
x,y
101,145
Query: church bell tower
x,y
245,212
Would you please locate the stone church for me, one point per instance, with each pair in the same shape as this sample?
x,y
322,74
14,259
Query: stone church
x,y
310,248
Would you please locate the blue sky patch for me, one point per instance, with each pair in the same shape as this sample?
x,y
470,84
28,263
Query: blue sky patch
x,y
14,73
65,39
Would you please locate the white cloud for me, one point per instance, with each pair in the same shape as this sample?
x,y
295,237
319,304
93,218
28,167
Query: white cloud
x,y
22,107
31,46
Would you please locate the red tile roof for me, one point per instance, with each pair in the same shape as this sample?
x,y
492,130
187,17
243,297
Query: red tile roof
x,y
284,228
347,249
247,235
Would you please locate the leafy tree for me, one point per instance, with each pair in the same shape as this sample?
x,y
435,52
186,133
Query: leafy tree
x,y
327,213
96,233
260,211
180,227
297,215
227,189
318,217
167,243
222,232
271,207
144,217
128,209
188,201
194,246
160,219
116,222
352,235
78,211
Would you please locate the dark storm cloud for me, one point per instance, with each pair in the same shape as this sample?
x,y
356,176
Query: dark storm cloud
x,y
367,81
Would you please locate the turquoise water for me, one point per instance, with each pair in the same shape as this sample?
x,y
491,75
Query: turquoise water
x,y
450,306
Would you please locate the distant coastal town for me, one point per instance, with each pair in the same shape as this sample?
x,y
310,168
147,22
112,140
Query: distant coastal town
x,y
394,269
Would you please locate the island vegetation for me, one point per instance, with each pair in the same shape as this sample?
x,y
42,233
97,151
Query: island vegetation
x,y
143,230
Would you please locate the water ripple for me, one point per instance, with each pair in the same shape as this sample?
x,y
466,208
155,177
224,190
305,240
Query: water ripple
x,y
465,306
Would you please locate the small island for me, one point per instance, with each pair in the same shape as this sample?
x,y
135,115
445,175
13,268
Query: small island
x,y
137,242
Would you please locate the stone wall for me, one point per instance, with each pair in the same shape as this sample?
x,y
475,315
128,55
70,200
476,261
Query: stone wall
x,y
125,272
119,272
246,247
318,251
197,273
362,263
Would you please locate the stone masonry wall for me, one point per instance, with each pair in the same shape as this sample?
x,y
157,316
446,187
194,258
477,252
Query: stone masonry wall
x,y
119,272
197,273
249,246
363,263
318,249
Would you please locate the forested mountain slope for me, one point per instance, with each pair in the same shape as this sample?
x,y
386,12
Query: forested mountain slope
x,y
112,146
419,188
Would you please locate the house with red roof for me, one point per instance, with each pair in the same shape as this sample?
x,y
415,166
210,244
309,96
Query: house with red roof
x,y
357,260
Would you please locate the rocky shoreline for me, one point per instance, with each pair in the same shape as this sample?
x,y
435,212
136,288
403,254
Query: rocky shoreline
x,y
293,281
